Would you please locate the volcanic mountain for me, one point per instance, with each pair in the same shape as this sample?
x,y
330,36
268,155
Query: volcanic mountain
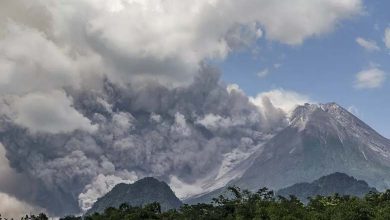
x,y
321,139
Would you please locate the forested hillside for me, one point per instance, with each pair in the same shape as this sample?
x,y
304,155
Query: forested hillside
x,y
260,205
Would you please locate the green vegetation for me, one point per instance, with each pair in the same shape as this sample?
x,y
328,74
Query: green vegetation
x,y
262,205
142,192
41,216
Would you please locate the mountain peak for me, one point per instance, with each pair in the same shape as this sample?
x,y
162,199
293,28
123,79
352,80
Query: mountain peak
x,y
321,139
330,114
330,105
303,114
307,109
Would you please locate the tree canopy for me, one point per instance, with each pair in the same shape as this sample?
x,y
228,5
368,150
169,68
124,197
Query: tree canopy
x,y
261,205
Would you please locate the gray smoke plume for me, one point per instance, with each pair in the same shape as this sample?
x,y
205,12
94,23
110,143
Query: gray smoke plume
x,y
96,92
150,131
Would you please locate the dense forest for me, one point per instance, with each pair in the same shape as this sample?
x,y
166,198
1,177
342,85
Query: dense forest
x,y
242,204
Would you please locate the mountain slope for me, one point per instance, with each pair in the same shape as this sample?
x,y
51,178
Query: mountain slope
x,y
140,193
321,139
328,185
206,197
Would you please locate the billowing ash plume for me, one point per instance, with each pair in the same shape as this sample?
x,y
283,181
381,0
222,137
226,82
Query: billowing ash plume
x,y
96,92
150,131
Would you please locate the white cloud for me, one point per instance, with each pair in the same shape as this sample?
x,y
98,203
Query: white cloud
x,y
50,113
30,62
280,98
370,78
386,39
263,73
288,22
138,40
369,45
154,40
234,88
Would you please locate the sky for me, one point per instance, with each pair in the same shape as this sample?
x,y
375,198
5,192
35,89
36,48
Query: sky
x,y
96,92
325,67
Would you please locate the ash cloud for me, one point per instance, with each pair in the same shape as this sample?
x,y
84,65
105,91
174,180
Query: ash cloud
x,y
96,92
11,207
150,131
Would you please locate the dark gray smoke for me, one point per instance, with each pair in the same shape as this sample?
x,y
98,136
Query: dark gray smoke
x,y
148,131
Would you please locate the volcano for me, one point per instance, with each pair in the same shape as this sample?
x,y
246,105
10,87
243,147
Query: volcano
x,y
321,139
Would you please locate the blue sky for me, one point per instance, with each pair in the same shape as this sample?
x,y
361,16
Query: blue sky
x,y
324,67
